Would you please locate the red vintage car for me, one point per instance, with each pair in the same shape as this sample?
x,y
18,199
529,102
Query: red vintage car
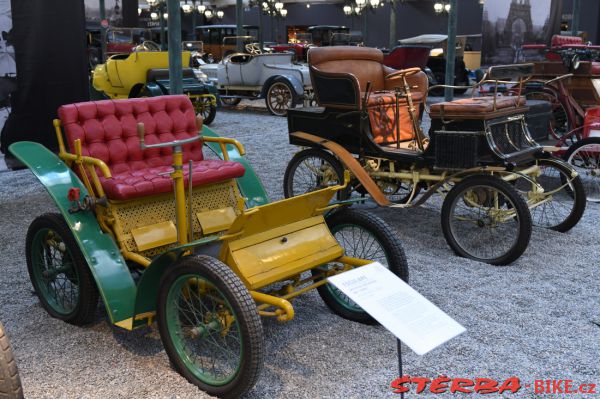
x,y
298,46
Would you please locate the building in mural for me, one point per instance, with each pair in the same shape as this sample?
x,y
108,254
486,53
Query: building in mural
x,y
508,24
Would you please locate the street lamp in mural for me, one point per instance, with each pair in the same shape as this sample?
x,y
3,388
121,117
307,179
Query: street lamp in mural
x,y
361,8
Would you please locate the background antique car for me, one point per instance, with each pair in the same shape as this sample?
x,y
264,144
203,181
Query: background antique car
x,y
213,35
300,46
146,74
274,77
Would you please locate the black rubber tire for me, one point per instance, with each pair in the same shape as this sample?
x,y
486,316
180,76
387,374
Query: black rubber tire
x,y
212,113
246,313
292,91
231,101
10,382
523,215
575,191
387,238
593,141
292,167
87,302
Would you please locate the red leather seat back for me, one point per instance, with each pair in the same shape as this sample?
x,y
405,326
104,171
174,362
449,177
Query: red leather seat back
x,y
108,130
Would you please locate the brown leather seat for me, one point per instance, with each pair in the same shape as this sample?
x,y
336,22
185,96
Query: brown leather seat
x,y
476,105
340,75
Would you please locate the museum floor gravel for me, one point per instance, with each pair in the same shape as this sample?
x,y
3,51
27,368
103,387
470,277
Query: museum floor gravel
x,y
536,319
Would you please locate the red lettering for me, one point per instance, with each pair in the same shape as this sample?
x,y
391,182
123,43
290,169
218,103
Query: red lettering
x,y
556,386
461,385
398,383
513,384
421,383
486,385
568,386
538,386
439,385
587,388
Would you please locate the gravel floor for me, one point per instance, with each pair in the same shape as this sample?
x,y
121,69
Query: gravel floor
x,y
534,319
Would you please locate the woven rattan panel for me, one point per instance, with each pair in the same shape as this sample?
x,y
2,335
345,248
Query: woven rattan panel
x,y
148,211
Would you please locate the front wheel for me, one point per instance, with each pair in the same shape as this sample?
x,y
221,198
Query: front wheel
x,y
562,203
366,236
206,109
209,326
281,96
484,218
10,383
313,169
584,156
58,271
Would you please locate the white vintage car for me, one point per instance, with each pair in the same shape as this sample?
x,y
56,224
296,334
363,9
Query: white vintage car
x,y
274,77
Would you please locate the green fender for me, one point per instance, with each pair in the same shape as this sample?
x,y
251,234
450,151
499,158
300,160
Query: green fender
x,y
250,185
108,267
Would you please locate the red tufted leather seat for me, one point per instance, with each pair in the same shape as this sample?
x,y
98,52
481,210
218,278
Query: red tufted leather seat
x,y
108,131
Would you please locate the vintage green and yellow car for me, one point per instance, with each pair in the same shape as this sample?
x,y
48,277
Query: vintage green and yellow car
x,y
205,264
145,73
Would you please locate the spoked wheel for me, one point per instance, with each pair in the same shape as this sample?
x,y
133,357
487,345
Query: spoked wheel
x,y
210,327
231,101
396,191
562,202
280,97
59,273
205,109
313,169
584,156
366,236
559,122
10,383
484,218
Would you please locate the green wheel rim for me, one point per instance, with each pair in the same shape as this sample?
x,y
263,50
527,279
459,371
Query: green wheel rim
x,y
357,243
55,275
204,330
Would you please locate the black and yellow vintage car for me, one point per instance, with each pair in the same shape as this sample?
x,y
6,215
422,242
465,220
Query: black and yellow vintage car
x,y
496,180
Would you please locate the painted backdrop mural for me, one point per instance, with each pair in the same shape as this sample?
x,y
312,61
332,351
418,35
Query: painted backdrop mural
x,y
507,24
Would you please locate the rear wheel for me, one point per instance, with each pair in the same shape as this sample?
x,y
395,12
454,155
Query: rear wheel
x,y
366,236
209,326
10,383
281,96
484,218
206,109
231,101
584,156
313,169
562,203
559,121
59,273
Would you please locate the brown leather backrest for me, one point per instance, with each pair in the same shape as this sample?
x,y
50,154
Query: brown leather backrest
x,y
365,63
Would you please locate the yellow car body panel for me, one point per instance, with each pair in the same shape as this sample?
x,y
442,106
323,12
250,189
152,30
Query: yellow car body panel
x,y
121,73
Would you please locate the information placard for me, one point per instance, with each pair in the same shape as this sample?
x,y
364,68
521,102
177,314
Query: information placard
x,y
398,307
